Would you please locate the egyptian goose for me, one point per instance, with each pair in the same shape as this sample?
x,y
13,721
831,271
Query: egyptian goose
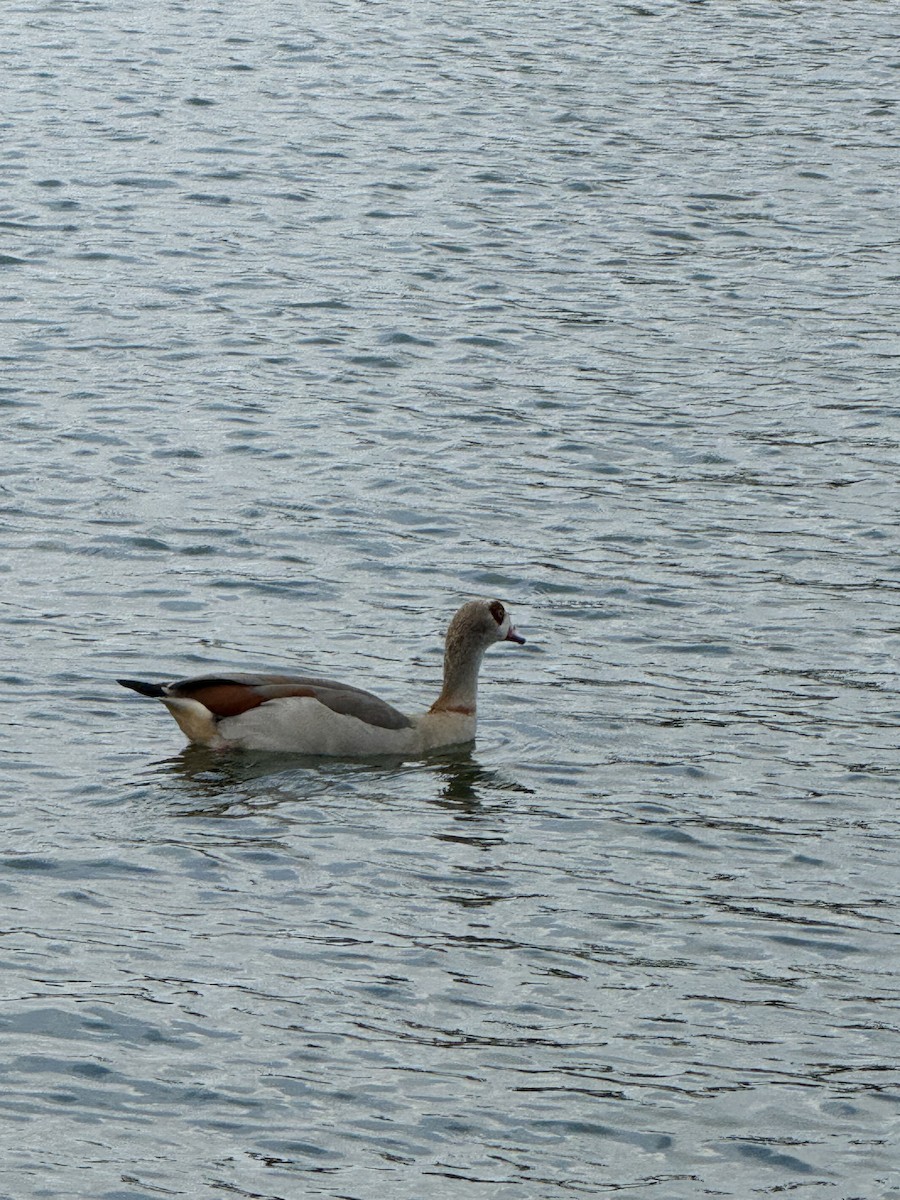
x,y
318,716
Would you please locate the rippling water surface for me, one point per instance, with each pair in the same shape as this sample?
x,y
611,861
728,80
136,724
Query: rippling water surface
x,y
316,319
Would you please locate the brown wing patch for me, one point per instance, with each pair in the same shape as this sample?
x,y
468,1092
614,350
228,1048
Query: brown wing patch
x,y
227,699
231,697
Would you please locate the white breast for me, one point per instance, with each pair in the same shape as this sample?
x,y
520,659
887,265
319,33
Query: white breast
x,y
301,725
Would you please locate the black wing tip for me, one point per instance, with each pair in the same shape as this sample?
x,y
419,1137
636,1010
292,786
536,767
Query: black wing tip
x,y
146,689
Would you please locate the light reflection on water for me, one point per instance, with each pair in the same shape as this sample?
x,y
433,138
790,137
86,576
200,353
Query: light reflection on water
x,y
300,353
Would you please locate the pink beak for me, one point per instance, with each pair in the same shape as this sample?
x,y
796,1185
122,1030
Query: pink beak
x,y
512,636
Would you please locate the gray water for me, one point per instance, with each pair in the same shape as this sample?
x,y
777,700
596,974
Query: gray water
x,y
316,320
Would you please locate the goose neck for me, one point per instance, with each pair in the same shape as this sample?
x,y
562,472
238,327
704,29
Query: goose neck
x,y
460,690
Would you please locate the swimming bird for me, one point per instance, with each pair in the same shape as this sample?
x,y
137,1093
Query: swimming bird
x,y
303,715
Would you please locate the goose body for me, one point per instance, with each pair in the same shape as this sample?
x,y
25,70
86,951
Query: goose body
x,y
306,715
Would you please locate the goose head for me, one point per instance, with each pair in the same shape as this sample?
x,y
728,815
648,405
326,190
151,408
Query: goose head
x,y
478,625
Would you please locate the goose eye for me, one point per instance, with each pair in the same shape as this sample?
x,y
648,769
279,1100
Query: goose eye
x,y
498,612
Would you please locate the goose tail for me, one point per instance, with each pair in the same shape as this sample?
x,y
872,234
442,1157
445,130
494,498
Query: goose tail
x,y
146,689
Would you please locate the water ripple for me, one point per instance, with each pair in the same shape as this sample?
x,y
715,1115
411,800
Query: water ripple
x,y
301,351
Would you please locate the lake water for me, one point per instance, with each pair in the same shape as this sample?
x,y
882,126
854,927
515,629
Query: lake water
x,y
318,319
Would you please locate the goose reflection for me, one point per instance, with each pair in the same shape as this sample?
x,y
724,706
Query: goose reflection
x,y
227,784
466,781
